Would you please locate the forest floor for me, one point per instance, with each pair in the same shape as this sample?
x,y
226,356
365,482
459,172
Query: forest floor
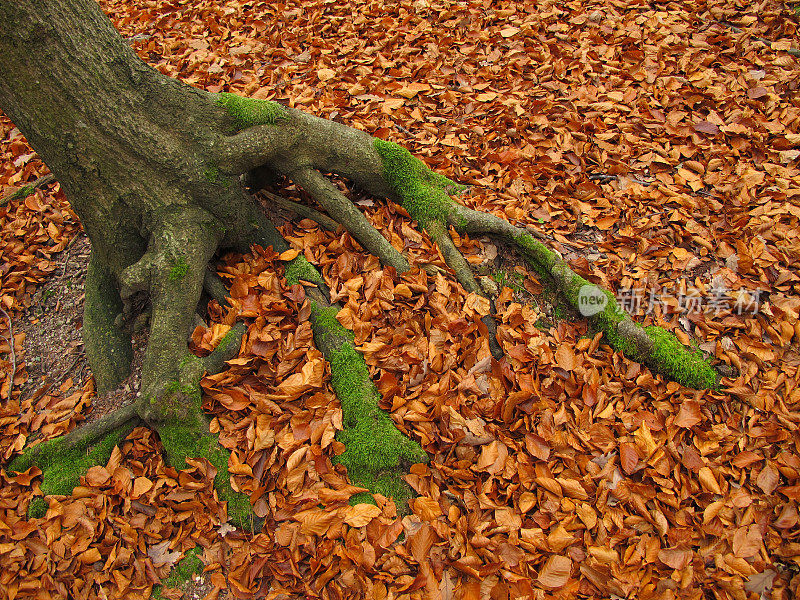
x,y
655,143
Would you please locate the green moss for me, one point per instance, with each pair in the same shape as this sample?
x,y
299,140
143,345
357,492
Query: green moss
x,y
228,339
299,269
540,257
174,395
182,441
190,361
376,451
186,568
362,498
510,279
249,112
669,357
423,193
572,292
63,467
607,321
212,174
680,364
37,508
179,270
327,329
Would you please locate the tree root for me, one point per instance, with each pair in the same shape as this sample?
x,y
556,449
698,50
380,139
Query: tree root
x,y
389,170
302,210
174,272
654,346
108,347
183,236
336,203
377,454
28,189
65,459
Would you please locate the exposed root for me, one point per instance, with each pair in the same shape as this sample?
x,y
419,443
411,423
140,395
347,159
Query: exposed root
x,y
336,203
657,348
377,454
65,459
173,271
303,211
108,346
28,189
387,169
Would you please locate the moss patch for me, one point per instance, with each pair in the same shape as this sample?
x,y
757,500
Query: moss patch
x,y
607,321
299,269
249,112
680,364
186,568
540,257
376,451
182,441
179,269
423,193
62,467
510,279
212,174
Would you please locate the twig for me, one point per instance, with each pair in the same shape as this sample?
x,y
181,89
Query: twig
x,y
402,129
29,189
303,211
601,177
66,256
11,345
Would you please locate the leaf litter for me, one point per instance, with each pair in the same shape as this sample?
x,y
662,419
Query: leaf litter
x,y
654,142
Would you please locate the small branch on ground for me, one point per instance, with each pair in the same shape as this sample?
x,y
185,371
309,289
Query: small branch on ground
x,y
28,189
755,38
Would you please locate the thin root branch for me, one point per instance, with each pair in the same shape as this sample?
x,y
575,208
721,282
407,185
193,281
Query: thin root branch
x,y
303,211
29,189
336,203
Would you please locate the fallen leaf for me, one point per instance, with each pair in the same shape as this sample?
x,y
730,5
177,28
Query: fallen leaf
x,y
556,572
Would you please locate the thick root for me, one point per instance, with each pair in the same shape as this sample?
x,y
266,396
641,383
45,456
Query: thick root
x,y
108,347
377,454
171,397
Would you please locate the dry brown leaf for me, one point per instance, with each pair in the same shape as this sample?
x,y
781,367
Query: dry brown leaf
x,y
556,572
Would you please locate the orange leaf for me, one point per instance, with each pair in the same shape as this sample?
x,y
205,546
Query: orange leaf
x,y
556,572
361,514
290,254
